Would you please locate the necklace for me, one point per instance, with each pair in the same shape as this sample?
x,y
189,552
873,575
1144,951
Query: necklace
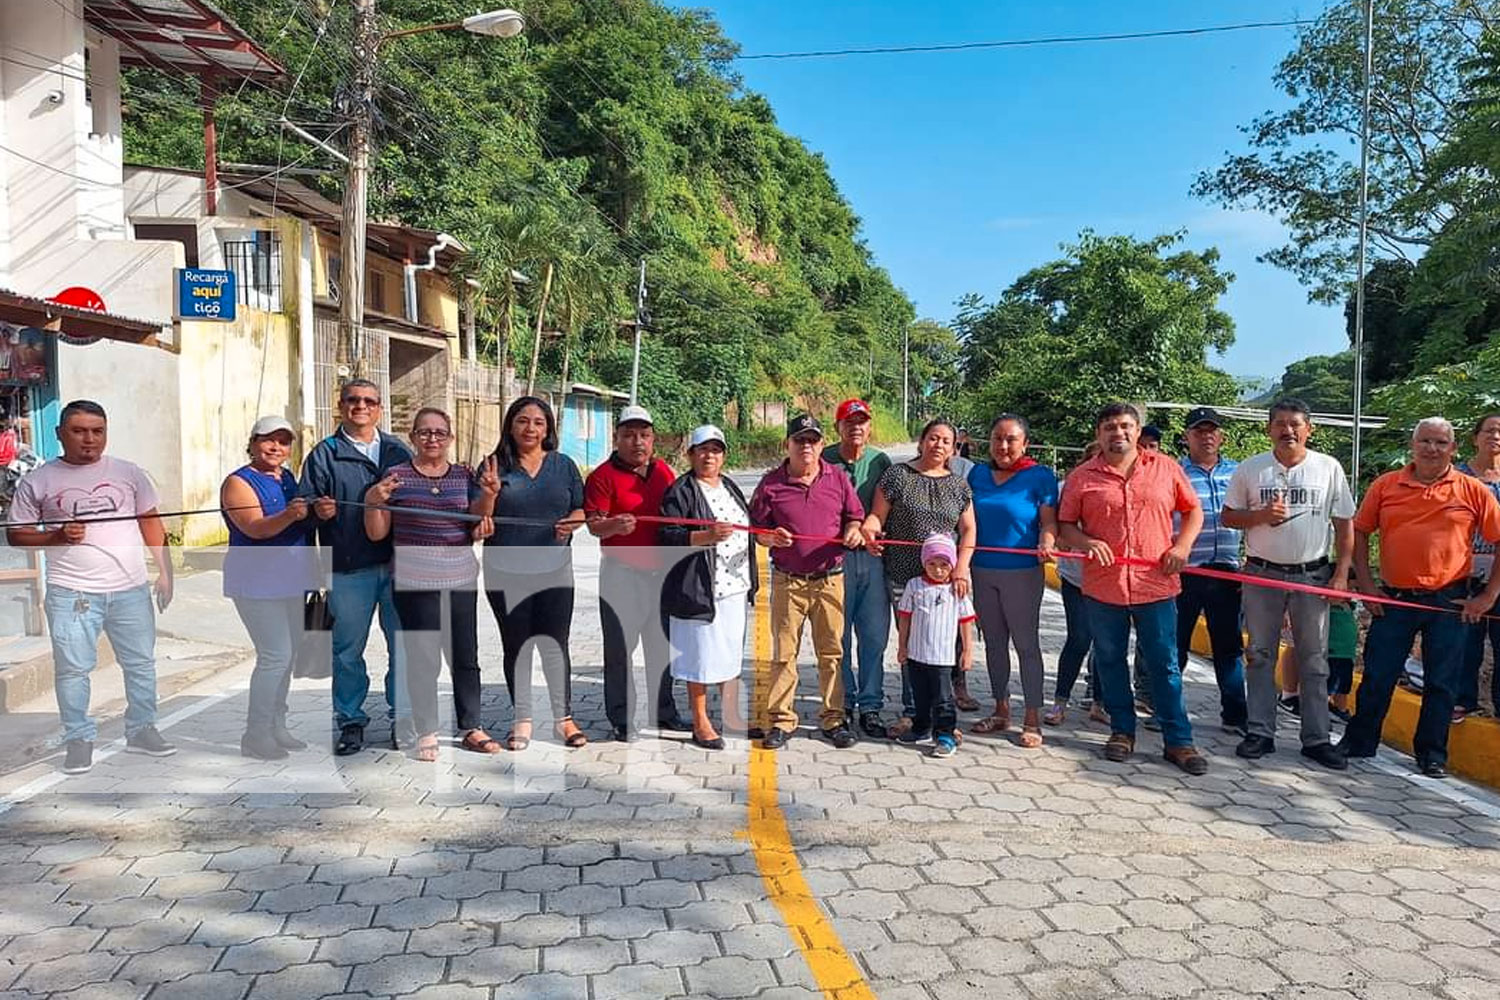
x,y
436,489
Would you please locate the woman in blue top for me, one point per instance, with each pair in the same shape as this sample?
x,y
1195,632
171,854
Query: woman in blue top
x,y
267,572
1015,506
528,572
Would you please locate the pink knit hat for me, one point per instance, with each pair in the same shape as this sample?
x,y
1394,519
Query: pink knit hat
x,y
939,547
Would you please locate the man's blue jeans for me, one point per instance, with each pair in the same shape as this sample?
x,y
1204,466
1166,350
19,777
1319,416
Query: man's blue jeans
x,y
1156,650
354,599
867,622
75,618
1386,647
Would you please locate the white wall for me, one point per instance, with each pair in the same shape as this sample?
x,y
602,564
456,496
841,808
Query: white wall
x,y
138,388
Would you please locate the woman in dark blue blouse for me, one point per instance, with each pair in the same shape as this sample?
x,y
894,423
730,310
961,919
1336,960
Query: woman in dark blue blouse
x,y
529,567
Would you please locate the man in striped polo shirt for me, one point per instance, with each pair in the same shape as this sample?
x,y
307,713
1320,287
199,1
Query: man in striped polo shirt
x,y
1216,547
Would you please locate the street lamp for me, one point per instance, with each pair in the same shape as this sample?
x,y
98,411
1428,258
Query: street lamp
x,y
504,23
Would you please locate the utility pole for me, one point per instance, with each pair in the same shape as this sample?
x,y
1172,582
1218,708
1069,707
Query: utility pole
x,y
1364,242
906,377
640,322
356,176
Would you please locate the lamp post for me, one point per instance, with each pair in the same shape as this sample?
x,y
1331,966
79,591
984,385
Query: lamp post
x,y
503,23
1364,243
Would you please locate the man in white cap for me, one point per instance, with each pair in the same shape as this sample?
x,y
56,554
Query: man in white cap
x,y
625,487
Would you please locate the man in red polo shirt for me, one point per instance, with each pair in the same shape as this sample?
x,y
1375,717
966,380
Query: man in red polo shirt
x,y
1119,506
631,483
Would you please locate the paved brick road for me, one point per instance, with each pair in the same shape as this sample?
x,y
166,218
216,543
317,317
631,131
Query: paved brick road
x,y
621,871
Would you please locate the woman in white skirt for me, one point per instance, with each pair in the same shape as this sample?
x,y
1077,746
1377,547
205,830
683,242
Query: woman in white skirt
x,y
706,594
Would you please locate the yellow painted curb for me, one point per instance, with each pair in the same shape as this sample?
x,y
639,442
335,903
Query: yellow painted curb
x,y
1473,748
834,969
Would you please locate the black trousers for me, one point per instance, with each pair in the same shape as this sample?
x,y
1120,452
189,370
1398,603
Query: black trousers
x,y
630,611
932,695
535,612
435,623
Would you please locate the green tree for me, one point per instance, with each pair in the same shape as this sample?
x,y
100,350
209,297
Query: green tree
x,y
1120,318
1324,381
1302,162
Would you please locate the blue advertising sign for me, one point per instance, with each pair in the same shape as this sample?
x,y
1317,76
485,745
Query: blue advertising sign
x,y
205,295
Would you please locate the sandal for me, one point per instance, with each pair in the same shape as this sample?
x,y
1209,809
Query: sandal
x,y
479,741
997,723
1056,715
427,748
516,743
964,701
573,740
1030,738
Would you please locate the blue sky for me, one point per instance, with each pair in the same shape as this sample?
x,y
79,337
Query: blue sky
x,y
970,168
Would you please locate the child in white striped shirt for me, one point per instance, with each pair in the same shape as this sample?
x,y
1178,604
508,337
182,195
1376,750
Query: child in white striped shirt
x,y
931,620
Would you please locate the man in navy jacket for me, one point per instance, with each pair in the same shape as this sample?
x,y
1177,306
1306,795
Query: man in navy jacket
x,y
337,472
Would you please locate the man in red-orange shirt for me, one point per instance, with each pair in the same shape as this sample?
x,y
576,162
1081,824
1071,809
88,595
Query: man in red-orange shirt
x,y
629,485
1428,514
1119,506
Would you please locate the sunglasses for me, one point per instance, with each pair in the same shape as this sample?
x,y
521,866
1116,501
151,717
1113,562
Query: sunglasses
x,y
361,400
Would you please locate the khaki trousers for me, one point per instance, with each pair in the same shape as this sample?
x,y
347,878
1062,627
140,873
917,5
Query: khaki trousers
x,y
793,603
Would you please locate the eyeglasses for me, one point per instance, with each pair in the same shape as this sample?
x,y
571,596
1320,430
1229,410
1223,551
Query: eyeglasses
x,y
361,401
431,434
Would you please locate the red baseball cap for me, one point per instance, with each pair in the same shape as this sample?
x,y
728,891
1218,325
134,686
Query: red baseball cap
x,y
851,407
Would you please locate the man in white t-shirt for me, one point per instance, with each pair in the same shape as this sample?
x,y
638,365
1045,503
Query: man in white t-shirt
x,y
97,517
1288,501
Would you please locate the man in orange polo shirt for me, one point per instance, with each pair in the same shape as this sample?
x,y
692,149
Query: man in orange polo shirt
x,y
1119,506
1427,514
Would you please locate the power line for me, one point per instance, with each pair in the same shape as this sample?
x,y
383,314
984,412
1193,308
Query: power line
x,y
1016,43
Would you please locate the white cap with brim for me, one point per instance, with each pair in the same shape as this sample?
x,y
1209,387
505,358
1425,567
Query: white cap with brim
x,y
705,434
633,414
266,426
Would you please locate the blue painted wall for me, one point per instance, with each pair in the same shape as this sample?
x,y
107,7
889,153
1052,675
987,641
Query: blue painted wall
x,y
587,429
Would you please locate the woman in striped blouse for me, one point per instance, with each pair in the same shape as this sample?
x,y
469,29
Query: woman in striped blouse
x,y
436,577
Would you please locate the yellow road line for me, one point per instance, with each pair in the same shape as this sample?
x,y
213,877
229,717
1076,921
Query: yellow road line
x,y
832,967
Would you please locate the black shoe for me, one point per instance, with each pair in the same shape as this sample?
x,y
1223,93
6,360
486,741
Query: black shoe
x,y
1349,750
1291,703
717,743
841,736
755,733
1237,728
148,741
351,740
675,724
621,734
79,758
1253,747
775,739
262,746
285,739
872,725
1432,769
1328,755
1342,714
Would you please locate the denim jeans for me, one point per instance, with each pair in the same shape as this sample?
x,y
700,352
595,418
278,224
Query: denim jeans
x,y
1156,641
867,622
1468,685
354,599
1386,647
1076,647
275,627
932,688
75,618
1218,601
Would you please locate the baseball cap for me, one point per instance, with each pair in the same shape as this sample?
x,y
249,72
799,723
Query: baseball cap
x,y
1151,431
1204,415
633,414
803,423
705,434
851,407
270,425
939,547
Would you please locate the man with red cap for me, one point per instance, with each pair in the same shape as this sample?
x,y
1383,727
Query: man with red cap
x,y
867,603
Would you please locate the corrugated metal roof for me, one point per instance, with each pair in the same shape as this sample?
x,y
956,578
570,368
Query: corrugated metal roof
x,y
191,37
80,322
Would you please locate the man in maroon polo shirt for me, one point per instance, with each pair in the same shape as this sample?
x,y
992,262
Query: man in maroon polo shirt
x,y
806,500
628,485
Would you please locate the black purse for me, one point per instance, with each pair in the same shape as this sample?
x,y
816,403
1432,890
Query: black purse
x,y
314,654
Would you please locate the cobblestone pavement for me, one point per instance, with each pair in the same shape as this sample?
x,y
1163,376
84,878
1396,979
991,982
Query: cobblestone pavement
x,y
623,870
